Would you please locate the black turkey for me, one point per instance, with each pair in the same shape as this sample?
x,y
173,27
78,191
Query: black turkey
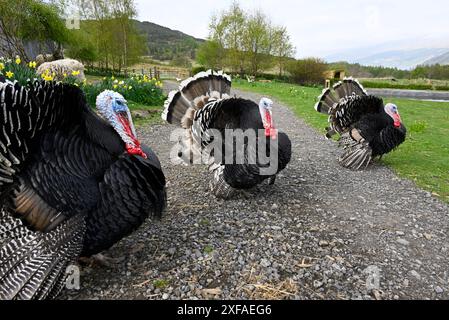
x,y
71,183
367,128
247,149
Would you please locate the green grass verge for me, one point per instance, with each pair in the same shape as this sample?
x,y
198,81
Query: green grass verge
x,y
153,118
424,157
406,84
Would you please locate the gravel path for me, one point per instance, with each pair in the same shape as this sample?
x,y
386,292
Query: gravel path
x,y
322,232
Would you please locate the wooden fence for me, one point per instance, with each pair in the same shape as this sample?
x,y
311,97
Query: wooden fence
x,y
161,72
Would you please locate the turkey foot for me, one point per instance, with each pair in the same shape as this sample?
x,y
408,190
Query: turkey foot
x,y
101,260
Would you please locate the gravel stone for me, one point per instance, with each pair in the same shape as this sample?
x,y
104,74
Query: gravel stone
x,y
439,290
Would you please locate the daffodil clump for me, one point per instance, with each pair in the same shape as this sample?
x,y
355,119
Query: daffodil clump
x,y
16,70
138,88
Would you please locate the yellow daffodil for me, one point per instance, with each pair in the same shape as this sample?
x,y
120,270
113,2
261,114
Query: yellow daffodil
x,y
115,86
2,66
32,64
75,73
9,74
65,75
130,87
121,83
18,60
47,76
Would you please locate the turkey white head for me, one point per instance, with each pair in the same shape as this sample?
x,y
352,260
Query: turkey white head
x,y
113,107
266,112
393,112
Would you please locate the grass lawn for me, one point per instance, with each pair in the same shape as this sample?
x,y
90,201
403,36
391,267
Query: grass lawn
x,y
93,79
415,84
424,157
154,114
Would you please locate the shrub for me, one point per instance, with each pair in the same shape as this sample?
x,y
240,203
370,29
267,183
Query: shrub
x,y
308,71
196,70
181,61
139,89
103,72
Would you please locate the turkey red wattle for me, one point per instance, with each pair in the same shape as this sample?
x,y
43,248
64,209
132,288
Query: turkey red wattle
x,y
133,148
270,130
397,120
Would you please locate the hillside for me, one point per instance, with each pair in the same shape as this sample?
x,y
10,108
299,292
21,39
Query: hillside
x,y
167,44
402,59
442,59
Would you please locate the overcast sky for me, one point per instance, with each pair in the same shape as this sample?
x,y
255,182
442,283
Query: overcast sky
x,y
320,27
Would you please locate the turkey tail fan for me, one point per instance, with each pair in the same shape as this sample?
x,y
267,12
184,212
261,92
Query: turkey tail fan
x,y
175,108
341,90
193,94
326,102
33,264
196,86
349,87
204,83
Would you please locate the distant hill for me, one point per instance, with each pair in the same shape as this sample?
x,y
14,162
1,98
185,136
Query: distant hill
x,y
401,59
167,44
442,59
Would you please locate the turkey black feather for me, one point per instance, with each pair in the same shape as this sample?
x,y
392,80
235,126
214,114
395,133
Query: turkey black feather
x,y
71,183
238,134
367,128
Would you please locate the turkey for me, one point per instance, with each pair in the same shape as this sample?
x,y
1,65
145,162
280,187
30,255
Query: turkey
x,y
237,136
71,183
367,128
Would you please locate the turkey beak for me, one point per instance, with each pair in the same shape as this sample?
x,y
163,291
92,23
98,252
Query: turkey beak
x,y
397,120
